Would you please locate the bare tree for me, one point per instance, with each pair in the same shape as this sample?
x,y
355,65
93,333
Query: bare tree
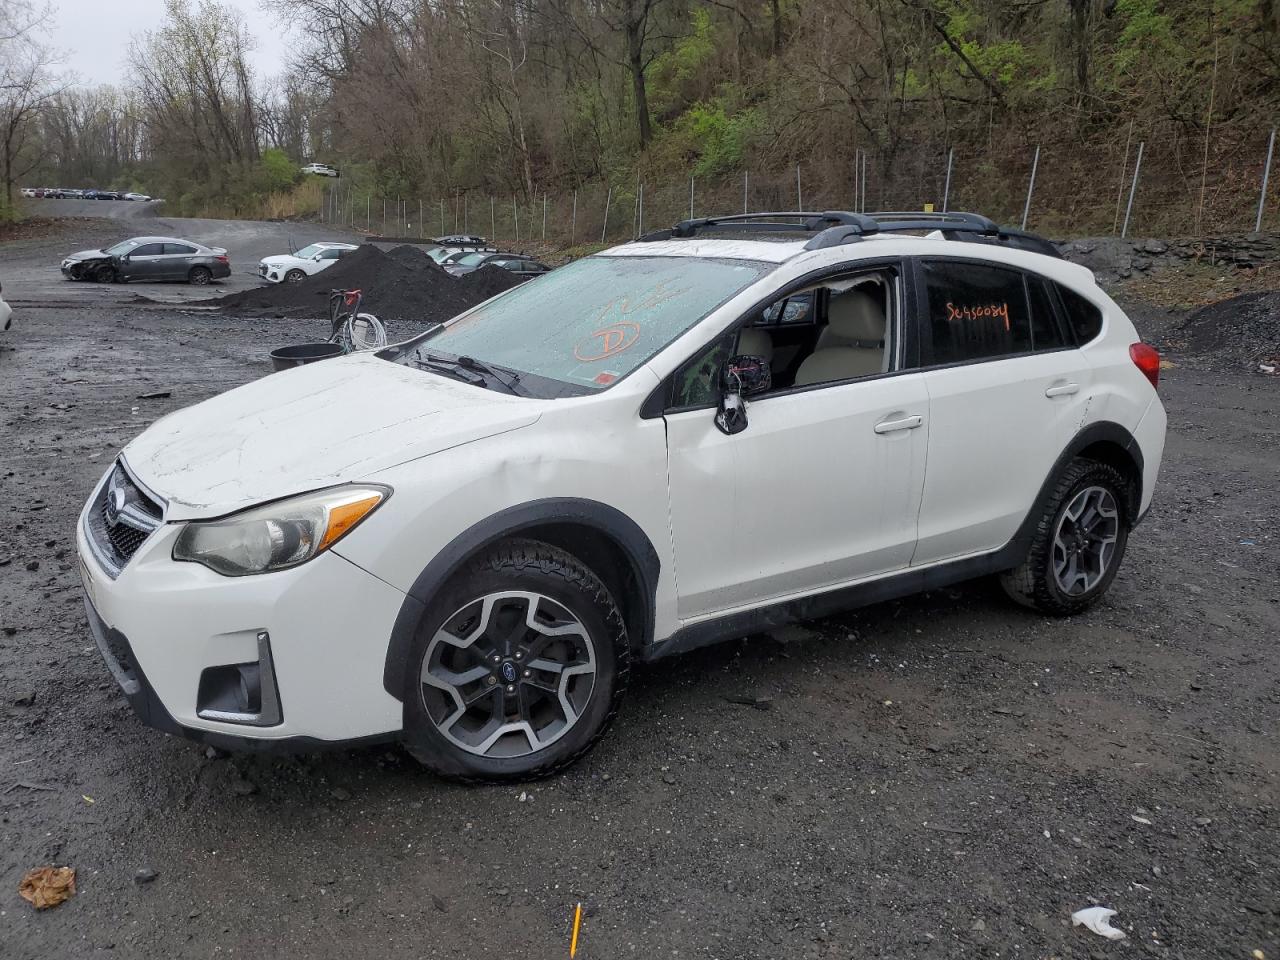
x,y
27,81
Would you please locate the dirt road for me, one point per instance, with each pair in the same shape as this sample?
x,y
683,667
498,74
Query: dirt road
x,y
939,777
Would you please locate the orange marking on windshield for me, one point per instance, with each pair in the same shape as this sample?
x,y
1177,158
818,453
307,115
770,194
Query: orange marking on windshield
x,y
607,341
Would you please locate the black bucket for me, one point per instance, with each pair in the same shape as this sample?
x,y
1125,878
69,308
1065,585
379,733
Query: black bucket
x,y
299,353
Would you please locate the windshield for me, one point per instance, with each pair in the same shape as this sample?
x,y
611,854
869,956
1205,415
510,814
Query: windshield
x,y
592,322
121,248
468,259
310,251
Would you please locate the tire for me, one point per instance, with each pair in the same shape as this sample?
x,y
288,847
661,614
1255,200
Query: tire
x,y
295,276
104,273
580,633
1050,579
200,276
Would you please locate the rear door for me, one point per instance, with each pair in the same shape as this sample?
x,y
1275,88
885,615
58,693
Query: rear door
x,y
178,260
1008,390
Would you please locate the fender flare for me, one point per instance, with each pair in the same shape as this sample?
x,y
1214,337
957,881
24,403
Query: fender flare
x,y
606,520
1102,431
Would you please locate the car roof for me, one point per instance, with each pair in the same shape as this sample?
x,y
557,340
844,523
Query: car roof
x,y
194,243
782,249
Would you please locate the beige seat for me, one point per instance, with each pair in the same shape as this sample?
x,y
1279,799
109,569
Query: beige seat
x,y
754,342
857,324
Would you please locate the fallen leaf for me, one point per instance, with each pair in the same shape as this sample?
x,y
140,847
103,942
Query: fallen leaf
x,y
87,799
46,887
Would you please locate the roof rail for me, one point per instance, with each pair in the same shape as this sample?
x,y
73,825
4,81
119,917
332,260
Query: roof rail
x,y
834,227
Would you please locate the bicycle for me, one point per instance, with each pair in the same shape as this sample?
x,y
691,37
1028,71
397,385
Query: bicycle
x,y
349,328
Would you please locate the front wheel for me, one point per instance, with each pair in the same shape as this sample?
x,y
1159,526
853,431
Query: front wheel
x,y
1078,543
104,274
295,276
200,276
517,669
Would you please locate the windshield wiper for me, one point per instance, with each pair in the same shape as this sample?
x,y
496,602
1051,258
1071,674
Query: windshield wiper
x,y
509,380
470,370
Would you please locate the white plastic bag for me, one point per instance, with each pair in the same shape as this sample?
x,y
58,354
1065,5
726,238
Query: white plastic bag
x,y
1097,919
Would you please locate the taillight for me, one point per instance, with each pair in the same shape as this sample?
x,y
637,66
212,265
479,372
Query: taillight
x,y
1147,359
222,260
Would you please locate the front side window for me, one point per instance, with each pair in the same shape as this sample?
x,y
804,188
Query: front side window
x,y
592,322
147,250
975,311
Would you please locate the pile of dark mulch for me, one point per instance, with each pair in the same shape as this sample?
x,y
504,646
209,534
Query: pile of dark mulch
x,y
1241,331
401,284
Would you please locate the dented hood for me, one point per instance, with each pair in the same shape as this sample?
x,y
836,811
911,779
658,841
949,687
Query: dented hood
x,y
311,427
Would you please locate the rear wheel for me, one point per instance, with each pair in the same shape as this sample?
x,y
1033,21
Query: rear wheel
x,y
200,276
518,667
295,276
1078,543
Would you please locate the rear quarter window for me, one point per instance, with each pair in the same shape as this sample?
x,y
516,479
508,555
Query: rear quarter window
x,y
1084,317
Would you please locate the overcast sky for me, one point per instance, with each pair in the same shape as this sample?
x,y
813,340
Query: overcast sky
x,y
95,35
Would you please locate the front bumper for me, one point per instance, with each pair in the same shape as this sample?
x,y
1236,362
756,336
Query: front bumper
x,y
311,640
269,273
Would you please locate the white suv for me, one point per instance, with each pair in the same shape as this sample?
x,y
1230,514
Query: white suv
x,y
464,540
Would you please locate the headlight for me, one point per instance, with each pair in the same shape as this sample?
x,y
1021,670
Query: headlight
x,y
279,535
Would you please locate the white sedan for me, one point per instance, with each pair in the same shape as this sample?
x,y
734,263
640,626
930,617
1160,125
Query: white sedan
x,y
6,314
293,267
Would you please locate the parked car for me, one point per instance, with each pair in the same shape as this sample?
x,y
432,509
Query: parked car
x,y
463,541
27,192
149,258
320,169
138,197
73,194
109,195
470,261
452,246
6,312
292,267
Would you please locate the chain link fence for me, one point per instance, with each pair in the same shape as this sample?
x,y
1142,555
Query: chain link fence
x,y
1163,182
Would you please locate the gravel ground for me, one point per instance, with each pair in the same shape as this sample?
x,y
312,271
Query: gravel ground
x,y
948,775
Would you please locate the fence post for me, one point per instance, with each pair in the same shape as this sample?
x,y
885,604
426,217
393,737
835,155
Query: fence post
x,y
946,190
1031,186
1266,176
745,175
864,182
1133,189
384,216
368,213
1124,169
544,216
604,229
493,223
640,212
857,179
515,221
573,219
691,198
799,196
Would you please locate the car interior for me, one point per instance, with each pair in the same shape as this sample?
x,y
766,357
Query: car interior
x,y
835,330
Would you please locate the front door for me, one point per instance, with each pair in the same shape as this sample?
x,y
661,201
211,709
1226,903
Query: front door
x,y
822,487
145,262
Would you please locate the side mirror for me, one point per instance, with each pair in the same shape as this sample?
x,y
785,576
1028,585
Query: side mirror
x,y
740,377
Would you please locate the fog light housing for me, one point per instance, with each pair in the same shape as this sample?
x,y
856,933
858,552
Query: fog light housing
x,y
241,692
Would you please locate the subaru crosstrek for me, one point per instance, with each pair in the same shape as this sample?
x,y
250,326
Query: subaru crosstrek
x,y
464,540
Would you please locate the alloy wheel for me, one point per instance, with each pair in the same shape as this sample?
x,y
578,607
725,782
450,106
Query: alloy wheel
x,y
1084,542
508,674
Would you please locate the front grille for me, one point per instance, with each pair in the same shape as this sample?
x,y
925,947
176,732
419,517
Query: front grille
x,y
120,518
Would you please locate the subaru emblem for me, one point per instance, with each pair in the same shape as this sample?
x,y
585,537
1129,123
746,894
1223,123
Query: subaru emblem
x,y
115,504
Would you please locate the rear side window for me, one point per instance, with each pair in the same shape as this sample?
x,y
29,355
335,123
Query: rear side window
x,y
975,311
181,248
1084,317
1046,332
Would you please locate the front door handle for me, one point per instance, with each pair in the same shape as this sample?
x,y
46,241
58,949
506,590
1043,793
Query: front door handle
x,y
1062,390
893,426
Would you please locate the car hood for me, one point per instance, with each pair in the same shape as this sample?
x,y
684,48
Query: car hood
x,y
86,255
281,260
314,426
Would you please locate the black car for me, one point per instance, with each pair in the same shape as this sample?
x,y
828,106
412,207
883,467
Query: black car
x,y
149,258
522,266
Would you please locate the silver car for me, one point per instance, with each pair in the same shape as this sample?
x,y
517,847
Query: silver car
x,y
149,258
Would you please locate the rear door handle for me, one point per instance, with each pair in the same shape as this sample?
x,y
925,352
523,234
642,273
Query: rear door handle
x,y
893,426
1062,390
